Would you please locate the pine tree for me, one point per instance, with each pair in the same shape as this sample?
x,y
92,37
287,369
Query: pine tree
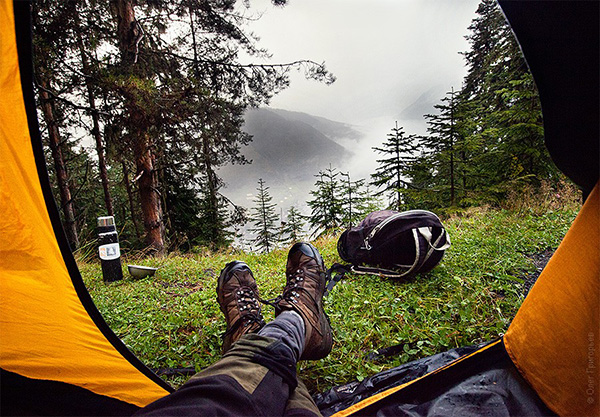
x,y
444,144
155,75
264,219
87,41
486,138
367,202
327,204
352,199
48,21
501,103
485,39
293,229
398,151
183,206
522,147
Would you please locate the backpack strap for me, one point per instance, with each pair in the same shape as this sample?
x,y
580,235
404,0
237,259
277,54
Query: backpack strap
x,y
426,233
340,271
388,273
422,254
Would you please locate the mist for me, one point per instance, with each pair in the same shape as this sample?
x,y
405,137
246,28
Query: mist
x,y
393,60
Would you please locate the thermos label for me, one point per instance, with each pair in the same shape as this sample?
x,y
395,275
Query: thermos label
x,y
109,252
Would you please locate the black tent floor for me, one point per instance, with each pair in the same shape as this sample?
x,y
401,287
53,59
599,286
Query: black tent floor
x,y
486,383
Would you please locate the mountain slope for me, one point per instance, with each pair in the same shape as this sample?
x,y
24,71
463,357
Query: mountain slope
x,y
288,149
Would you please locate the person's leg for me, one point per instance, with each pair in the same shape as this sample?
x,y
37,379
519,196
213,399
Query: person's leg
x,y
254,377
303,293
301,404
257,374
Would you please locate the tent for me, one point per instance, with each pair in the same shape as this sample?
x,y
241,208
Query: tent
x,y
58,356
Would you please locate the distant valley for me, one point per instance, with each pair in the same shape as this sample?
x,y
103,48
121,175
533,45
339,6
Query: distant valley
x,y
287,151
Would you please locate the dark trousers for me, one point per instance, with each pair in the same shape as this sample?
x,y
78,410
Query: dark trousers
x,y
256,377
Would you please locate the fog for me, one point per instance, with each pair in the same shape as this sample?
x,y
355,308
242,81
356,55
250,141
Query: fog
x,y
393,60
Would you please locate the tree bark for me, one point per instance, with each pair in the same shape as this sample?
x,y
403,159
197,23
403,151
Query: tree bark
x,y
211,184
131,199
398,172
60,168
129,37
149,198
452,186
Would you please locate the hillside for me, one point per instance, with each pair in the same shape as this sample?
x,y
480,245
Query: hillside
x,y
173,321
288,149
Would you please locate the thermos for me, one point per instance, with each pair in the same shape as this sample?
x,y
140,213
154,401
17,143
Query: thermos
x,y
108,249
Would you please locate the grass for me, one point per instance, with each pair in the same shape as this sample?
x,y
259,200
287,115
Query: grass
x,y
173,321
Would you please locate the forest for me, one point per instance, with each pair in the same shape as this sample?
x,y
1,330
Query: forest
x,y
160,90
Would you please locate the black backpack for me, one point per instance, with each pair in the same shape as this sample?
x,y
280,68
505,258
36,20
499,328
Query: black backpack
x,y
392,244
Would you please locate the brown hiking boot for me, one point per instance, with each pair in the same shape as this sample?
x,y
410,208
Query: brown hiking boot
x,y
238,297
303,293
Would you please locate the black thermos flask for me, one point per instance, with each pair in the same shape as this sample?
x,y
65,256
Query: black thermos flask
x,y
108,249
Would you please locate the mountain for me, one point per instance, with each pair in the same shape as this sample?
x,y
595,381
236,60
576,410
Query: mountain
x,y
336,131
422,105
287,151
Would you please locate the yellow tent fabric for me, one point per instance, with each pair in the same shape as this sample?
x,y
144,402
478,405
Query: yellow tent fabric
x,y
554,339
45,331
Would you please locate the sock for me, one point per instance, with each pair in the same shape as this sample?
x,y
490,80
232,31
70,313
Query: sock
x,y
290,329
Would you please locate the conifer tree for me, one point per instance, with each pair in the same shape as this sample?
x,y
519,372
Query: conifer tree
x,y
398,151
327,204
264,219
352,199
522,135
444,144
486,138
502,104
294,226
48,22
367,202
155,75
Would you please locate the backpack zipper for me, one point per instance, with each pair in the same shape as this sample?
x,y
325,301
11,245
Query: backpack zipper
x,y
390,219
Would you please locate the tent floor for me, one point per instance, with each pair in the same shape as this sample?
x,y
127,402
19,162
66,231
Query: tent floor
x,y
486,383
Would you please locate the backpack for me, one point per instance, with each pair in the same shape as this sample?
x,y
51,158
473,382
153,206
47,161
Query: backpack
x,y
392,244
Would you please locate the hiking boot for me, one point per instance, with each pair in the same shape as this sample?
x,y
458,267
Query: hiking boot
x,y
238,297
303,293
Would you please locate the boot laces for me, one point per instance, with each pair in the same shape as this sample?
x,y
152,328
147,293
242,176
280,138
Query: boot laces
x,y
248,303
249,309
290,291
294,284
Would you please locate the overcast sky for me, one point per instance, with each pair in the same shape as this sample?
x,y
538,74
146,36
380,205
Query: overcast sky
x,y
393,60
385,53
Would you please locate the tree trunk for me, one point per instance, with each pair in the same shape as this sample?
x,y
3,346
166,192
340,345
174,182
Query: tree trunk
x,y
149,197
96,129
129,36
464,173
211,184
60,168
452,186
130,197
398,172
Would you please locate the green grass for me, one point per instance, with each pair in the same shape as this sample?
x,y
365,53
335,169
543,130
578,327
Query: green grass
x,y
173,319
